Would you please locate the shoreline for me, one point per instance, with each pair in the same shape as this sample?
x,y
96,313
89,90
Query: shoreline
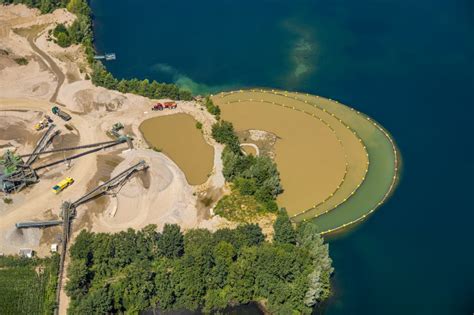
x,y
394,148
395,180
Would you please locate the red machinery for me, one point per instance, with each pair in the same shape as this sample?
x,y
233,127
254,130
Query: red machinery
x,y
165,105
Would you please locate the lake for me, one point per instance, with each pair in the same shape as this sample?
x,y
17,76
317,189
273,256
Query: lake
x,y
407,64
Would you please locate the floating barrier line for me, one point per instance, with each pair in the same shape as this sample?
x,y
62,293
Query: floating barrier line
x,y
387,135
297,216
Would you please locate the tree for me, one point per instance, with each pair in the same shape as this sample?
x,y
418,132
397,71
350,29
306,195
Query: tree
x,y
319,287
79,278
79,7
223,256
165,296
283,229
62,37
223,132
206,270
97,302
82,246
45,6
80,29
171,242
249,234
246,186
242,276
211,108
139,286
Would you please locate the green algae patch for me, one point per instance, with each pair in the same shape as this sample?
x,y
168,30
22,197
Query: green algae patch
x,y
178,138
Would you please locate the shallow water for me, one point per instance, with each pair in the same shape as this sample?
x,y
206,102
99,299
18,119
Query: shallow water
x,y
311,167
178,138
407,64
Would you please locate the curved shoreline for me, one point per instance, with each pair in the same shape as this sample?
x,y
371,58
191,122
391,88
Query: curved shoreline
x,y
315,117
386,134
394,182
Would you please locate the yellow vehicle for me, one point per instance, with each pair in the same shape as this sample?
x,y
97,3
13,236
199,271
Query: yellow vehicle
x,y
62,185
43,123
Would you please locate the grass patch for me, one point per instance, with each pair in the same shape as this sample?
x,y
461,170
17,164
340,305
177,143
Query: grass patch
x,y
8,200
198,125
21,61
157,149
240,208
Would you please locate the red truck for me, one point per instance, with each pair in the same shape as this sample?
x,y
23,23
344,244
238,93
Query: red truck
x,y
165,105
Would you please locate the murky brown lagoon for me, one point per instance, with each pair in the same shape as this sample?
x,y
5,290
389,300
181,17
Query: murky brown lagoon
x,y
310,158
178,138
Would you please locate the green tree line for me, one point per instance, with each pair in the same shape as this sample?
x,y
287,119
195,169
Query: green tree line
x,y
212,108
137,270
45,6
102,77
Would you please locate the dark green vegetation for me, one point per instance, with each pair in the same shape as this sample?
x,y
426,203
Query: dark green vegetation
x,y
45,6
21,61
28,286
136,270
212,108
80,32
102,77
255,180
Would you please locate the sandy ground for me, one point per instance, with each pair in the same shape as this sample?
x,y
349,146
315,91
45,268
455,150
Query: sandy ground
x,y
56,75
168,197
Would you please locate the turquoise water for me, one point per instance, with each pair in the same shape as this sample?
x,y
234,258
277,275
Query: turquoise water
x,y
408,64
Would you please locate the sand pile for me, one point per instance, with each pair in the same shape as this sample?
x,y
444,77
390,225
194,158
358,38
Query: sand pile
x,y
168,199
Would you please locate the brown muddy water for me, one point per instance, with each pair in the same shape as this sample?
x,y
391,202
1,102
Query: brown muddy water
x,y
178,138
309,156
248,149
354,149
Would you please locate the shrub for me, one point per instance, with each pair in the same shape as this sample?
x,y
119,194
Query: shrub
x,y
21,61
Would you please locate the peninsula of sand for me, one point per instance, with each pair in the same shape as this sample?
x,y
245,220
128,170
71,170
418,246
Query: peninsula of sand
x,y
336,164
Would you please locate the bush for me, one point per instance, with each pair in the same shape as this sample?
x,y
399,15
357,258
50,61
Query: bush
x,y
199,125
63,40
211,108
223,132
21,61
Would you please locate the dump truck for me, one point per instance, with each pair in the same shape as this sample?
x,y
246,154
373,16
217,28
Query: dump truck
x,y
165,105
62,185
65,116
